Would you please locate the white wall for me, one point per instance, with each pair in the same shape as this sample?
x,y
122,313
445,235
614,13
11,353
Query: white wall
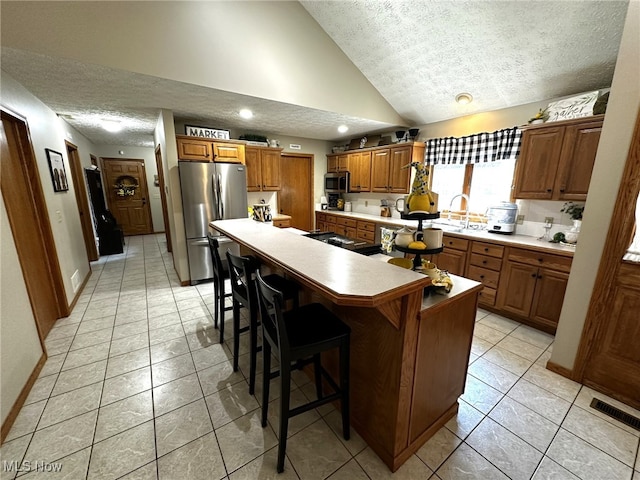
x,y
147,154
20,347
613,149
47,131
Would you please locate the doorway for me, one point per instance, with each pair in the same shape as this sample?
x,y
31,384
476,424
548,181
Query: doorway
x,y
296,194
81,199
127,194
163,198
24,199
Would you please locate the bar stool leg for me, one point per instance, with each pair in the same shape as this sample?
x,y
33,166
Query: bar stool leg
x,y
285,379
216,301
253,349
318,374
236,334
266,380
344,388
221,310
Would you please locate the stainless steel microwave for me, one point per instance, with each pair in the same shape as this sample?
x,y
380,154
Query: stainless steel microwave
x,y
336,182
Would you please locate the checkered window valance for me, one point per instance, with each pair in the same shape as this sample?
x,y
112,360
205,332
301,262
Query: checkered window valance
x,y
478,148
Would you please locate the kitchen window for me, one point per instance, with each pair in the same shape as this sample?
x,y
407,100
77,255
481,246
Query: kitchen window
x,y
486,184
480,165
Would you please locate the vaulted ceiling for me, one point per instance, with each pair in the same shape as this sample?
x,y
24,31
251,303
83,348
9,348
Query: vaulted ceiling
x,y
417,54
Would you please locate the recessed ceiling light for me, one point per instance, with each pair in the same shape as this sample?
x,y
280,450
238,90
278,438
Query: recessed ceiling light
x,y
246,113
464,98
111,125
343,128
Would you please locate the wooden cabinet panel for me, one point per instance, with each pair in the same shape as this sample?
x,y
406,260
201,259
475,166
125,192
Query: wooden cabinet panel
x,y
228,152
487,296
331,219
359,165
483,275
518,284
453,261
348,222
380,165
399,176
556,160
485,261
337,163
547,260
455,243
487,249
322,226
578,157
263,169
547,301
368,226
193,149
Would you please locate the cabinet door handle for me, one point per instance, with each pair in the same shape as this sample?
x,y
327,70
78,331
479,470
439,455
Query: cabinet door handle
x,y
484,262
540,260
481,276
534,275
539,276
562,190
549,190
486,249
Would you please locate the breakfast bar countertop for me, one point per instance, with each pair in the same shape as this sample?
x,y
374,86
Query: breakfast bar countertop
x,y
347,277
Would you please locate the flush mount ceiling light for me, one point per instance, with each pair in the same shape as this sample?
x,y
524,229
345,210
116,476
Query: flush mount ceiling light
x,y
464,98
111,125
246,113
343,128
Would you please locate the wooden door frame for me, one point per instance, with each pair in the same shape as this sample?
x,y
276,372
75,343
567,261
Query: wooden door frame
x,y
77,174
31,173
163,197
618,237
311,158
147,203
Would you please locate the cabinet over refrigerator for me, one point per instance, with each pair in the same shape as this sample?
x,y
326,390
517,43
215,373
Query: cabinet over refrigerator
x,y
210,191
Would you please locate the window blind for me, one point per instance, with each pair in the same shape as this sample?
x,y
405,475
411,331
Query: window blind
x,y
478,148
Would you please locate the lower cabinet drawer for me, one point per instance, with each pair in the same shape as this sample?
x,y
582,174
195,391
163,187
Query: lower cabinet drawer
x,y
455,242
285,223
488,278
487,296
331,219
368,226
347,222
366,235
484,261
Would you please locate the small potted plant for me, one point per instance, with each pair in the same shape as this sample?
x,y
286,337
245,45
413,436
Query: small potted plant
x,y
539,117
574,210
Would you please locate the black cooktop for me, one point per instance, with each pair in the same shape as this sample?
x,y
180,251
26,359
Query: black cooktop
x,y
358,246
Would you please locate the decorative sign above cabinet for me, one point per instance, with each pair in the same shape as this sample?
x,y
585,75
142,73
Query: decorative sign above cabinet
x,y
574,107
206,132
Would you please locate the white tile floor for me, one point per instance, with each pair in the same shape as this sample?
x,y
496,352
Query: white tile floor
x,y
136,386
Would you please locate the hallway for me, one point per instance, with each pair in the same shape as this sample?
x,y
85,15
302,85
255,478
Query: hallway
x,y
137,386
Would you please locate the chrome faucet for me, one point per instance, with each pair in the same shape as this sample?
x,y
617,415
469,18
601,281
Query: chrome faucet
x,y
466,197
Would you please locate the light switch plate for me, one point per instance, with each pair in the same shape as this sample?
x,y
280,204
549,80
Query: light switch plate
x,y
548,220
520,219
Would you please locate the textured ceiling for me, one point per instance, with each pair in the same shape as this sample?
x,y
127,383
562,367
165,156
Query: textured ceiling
x,y
417,54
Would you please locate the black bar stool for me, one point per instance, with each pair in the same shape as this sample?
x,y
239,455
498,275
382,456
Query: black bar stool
x,y
296,335
244,293
220,274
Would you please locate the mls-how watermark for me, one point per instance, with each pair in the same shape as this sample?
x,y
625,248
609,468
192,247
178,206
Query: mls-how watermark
x,y
31,466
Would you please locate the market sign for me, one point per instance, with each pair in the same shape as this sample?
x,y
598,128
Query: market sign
x,y
206,132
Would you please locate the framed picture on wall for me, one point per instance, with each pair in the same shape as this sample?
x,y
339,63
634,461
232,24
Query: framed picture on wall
x,y
56,168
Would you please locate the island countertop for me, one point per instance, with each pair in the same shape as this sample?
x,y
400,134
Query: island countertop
x,y
347,278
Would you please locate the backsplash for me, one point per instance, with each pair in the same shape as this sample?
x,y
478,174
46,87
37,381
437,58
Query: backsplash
x,y
534,211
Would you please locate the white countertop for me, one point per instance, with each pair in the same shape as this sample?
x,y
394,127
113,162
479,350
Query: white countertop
x,y
339,271
515,240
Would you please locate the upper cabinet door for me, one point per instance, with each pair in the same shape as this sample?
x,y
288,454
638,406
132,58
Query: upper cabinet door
x,y
192,149
228,152
254,175
577,160
399,176
538,161
360,168
270,167
380,164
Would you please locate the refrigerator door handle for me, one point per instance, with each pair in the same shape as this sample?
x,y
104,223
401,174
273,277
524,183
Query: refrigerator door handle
x,y
216,199
220,193
200,243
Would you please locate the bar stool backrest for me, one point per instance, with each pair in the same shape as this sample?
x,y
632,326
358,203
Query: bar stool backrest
x,y
242,275
273,327
218,269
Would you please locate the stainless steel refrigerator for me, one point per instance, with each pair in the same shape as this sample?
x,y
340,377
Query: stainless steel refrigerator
x,y
210,191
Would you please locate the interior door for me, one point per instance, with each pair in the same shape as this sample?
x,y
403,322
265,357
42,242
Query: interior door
x,y
296,192
30,227
608,357
127,194
163,197
88,233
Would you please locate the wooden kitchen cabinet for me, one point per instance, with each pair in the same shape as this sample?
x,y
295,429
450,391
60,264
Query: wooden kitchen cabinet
x,y
190,148
337,163
359,166
387,172
366,231
454,256
263,169
485,263
532,287
201,150
556,159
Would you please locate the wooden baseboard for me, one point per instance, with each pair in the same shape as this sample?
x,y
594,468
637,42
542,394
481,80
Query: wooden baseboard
x,y
15,410
560,370
80,290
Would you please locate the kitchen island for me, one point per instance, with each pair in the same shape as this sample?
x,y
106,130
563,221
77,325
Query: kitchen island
x,y
409,349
